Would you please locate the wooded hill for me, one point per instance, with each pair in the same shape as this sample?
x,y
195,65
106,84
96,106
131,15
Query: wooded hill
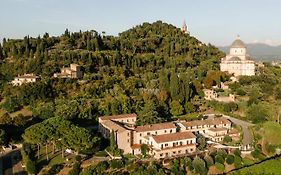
x,y
153,69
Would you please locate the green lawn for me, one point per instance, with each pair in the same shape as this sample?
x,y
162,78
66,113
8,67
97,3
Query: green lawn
x,y
267,167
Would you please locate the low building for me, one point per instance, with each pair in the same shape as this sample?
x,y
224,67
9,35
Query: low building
x,y
124,118
214,129
74,71
121,126
164,140
216,134
129,137
202,125
26,78
172,145
142,133
210,94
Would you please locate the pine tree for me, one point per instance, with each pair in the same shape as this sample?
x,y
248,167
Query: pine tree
x,y
149,114
174,86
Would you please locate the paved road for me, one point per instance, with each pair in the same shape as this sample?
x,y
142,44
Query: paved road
x,y
247,137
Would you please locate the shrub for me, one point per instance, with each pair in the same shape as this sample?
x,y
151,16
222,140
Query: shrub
x,y
227,139
55,169
144,149
257,113
219,159
230,159
11,104
270,148
237,152
240,92
209,160
102,166
116,164
189,107
199,166
78,158
30,167
256,153
237,161
229,107
222,153
201,140
75,170
219,166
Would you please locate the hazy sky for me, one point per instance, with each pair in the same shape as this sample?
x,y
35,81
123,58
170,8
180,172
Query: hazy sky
x,y
211,21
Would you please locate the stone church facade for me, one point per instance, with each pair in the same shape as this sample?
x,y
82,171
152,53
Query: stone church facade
x,y
237,62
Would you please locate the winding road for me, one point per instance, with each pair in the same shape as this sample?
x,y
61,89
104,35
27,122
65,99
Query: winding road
x,y
247,137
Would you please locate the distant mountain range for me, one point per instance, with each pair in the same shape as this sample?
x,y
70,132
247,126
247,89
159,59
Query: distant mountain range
x,y
259,51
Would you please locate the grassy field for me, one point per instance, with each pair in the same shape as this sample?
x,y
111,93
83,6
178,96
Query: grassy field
x,y
270,131
268,167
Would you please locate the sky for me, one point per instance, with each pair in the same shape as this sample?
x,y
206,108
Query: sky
x,y
212,21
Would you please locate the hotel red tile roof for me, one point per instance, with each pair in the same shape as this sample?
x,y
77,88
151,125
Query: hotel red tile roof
x,y
136,146
215,121
173,137
155,127
118,116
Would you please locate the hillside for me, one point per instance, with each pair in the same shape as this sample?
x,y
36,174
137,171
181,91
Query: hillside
x,y
119,72
260,51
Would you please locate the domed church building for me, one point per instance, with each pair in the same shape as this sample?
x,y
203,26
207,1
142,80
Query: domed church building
x,y
237,62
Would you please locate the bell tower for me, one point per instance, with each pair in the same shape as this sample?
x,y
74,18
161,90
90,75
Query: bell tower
x,y
184,28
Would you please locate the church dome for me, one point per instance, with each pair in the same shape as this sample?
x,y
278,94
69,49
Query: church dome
x,y
238,44
234,59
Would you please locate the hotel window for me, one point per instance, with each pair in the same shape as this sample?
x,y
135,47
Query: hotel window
x,y
190,141
191,149
187,142
148,133
127,120
140,134
166,144
171,131
174,152
155,132
165,131
128,134
179,151
128,140
161,155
